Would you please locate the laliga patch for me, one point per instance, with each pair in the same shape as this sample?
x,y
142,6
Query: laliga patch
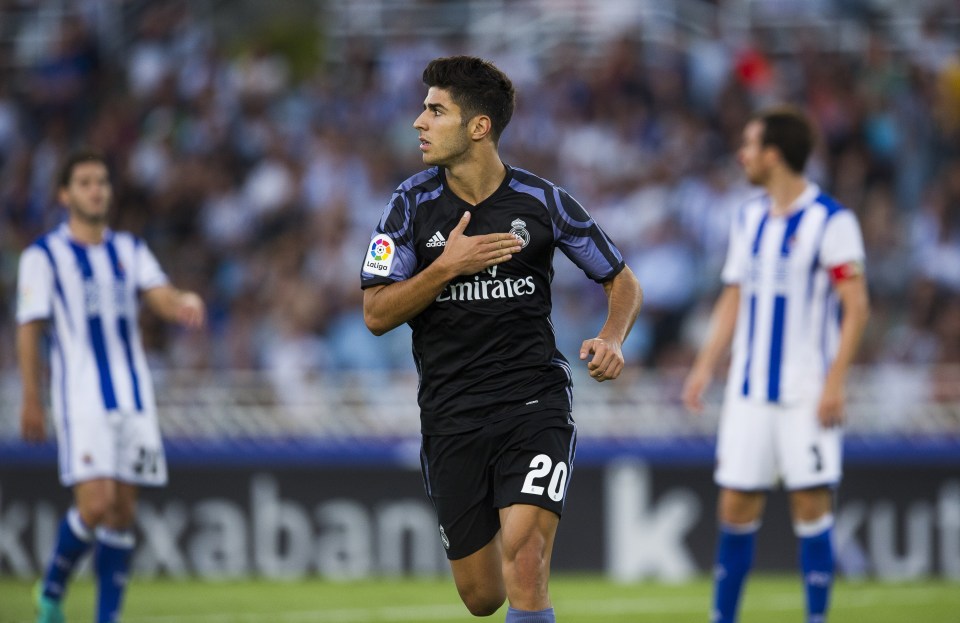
x,y
379,258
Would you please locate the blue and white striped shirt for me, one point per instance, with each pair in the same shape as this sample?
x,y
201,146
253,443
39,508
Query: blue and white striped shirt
x,y
788,323
89,293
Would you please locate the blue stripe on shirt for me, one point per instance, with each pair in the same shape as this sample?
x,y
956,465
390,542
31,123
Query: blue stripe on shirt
x,y
95,325
751,318
42,244
123,326
780,312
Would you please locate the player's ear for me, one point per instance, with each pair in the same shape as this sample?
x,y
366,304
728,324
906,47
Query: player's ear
x,y
479,127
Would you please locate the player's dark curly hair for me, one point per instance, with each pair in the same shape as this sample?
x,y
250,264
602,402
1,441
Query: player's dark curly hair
x,y
476,86
790,131
78,157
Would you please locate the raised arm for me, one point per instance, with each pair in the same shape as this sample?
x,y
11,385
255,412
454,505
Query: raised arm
x,y
624,298
723,321
386,307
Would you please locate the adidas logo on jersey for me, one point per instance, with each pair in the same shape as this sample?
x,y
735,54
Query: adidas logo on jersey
x,y
437,240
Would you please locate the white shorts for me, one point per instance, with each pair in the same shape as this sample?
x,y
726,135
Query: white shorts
x,y
119,446
761,445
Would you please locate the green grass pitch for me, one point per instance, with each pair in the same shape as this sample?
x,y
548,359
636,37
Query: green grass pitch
x,y
577,599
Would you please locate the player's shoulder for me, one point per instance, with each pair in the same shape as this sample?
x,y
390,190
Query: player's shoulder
x,y
551,196
127,239
423,182
526,178
830,205
752,206
43,242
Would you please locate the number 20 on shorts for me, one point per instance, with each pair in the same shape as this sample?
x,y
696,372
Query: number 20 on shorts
x,y
541,465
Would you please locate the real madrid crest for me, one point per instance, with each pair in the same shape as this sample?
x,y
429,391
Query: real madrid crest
x,y
519,231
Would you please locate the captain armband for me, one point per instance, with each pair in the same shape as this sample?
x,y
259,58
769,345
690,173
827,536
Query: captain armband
x,y
845,271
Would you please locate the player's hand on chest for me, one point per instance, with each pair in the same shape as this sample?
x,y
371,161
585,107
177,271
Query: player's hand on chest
x,y
533,234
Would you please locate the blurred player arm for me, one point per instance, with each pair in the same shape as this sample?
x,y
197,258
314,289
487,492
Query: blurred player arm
x,y
723,321
386,307
173,305
851,289
28,356
624,298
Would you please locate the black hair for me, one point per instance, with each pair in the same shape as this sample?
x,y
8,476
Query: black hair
x,y
77,158
790,131
476,86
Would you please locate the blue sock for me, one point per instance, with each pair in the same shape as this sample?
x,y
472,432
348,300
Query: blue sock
x,y
73,541
112,564
734,559
816,564
530,616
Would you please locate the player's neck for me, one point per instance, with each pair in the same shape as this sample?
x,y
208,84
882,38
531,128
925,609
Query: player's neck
x,y
86,232
784,190
477,179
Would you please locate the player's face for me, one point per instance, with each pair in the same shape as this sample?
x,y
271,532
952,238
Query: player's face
x,y
753,156
443,134
88,194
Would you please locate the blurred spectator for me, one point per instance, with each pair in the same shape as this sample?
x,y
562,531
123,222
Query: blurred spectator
x,y
260,178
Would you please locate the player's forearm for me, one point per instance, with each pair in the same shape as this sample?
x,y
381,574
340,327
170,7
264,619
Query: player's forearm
x,y
28,358
722,324
624,298
163,301
387,307
169,303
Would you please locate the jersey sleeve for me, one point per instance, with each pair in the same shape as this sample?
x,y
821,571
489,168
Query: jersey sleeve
x,y
35,286
735,266
582,240
149,275
390,255
842,241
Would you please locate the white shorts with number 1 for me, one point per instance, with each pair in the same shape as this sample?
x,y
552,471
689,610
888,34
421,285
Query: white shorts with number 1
x,y
762,445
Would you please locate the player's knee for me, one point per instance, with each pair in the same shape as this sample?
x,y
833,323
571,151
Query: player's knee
x,y
119,517
94,511
482,603
526,551
529,563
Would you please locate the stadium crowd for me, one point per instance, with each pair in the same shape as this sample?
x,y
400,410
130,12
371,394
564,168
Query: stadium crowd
x,y
257,182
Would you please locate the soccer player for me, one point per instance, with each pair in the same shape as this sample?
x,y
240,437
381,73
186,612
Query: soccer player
x,y
794,305
78,285
463,253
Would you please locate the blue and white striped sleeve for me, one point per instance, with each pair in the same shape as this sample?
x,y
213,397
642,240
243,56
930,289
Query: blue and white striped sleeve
x,y
149,274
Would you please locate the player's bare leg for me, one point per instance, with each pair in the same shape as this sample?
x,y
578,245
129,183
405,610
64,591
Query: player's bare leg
x,y
479,579
106,502
527,533
738,508
808,505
